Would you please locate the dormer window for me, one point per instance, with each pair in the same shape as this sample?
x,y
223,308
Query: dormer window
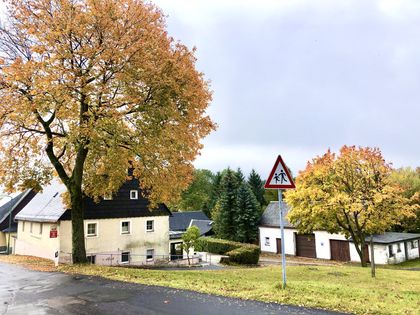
x,y
134,194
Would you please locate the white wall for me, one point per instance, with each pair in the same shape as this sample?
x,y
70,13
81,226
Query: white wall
x,y
273,233
35,243
322,243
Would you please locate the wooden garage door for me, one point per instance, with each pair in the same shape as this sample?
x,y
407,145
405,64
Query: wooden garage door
x,y
278,243
305,245
340,250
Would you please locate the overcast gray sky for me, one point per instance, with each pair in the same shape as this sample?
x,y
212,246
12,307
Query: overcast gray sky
x,y
298,77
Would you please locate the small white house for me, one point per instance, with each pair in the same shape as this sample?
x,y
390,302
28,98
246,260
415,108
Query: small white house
x,y
118,230
390,247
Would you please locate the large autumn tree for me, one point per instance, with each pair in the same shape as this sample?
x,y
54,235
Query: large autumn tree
x,y
89,86
349,193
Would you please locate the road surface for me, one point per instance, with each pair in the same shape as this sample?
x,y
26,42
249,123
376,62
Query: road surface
x,y
24,291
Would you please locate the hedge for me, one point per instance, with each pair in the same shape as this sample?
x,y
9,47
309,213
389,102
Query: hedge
x,y
239,253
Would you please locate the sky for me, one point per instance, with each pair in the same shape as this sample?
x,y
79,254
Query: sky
x,y
299,77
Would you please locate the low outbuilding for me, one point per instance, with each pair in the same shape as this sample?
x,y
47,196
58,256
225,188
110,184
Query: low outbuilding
x,y
390,247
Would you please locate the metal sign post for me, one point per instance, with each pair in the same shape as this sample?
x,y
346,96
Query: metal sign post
x,y
280,179
283,255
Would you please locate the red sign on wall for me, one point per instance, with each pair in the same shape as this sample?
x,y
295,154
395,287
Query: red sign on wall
x,y
53,233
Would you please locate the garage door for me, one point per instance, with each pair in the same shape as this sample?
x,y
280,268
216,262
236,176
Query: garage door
x,y
340,250
305,245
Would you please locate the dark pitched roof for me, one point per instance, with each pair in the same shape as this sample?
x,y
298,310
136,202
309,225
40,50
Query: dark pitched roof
x,y
205,226
392,237
121,206
47,206
271,215
180,221
16,204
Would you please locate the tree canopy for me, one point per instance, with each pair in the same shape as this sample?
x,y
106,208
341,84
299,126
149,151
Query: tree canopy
x,y
409,181
90,87
350,193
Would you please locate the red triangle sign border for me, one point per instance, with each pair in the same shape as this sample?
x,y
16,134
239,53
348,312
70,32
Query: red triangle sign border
x,y
279,186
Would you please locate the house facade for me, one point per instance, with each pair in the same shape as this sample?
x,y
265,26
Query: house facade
x,y
179,222
8,226
389,248
118,230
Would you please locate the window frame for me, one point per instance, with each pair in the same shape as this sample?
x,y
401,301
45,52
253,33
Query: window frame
x,y
267,241
126,253
398,247
96,229
391,252
414,244
147,254
136,194
153,226
129,227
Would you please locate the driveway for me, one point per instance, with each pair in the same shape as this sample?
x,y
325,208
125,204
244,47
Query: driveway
x,y
24,291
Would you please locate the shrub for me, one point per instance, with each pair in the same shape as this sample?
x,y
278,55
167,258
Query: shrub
x,y
246,255
238,253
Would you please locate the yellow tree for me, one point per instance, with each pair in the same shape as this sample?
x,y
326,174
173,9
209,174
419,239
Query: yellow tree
x,y
349,193
88,87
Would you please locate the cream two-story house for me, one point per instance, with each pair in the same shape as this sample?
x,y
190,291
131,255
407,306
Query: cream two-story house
x,y
122,229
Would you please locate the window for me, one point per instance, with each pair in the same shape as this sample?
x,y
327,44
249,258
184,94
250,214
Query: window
x,y
149,225
125,257
125,227
399,248
134,194
23,226
391,250
40,229
414,244
31,227
267,241
149,254
91,229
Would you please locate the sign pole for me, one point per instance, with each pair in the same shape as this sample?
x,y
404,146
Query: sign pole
x,y
283,255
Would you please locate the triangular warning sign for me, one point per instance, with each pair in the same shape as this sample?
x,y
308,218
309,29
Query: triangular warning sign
x,y
280,177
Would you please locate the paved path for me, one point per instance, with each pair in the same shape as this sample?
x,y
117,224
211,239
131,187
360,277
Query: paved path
x,y
29,292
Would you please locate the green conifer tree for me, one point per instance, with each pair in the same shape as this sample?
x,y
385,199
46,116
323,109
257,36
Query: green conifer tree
x,y
257,186
247,215
224,220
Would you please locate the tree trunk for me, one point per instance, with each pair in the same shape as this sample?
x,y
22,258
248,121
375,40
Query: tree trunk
x,y
360,246
77,217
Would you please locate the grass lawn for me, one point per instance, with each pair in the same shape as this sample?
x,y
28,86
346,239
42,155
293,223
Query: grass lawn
x,y
343,288
340,288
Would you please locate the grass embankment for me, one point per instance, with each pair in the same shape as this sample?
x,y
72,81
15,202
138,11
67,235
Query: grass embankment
x,y
343,288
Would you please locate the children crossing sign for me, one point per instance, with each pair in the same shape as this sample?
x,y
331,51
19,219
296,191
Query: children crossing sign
x,y
279,177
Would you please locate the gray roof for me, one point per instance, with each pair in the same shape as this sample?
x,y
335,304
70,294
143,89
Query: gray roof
x,y
46,206
204,226
392,237
271,215
8,206
180,221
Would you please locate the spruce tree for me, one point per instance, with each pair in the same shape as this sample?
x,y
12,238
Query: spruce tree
x,y
247,215
240,177
226,206
257,186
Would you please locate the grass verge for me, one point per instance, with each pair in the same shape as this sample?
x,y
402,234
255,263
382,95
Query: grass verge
x,y
342,288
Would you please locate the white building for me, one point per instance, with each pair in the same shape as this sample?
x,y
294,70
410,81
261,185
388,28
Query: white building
x,y
118,230
389,247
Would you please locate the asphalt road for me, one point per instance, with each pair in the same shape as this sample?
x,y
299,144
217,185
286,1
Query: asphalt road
x,y
25,292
